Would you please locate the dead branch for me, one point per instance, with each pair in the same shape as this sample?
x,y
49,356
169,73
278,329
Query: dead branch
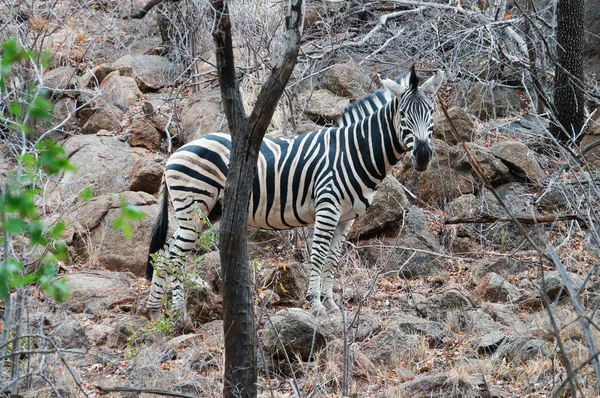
x,y
106,390
141,13
489,218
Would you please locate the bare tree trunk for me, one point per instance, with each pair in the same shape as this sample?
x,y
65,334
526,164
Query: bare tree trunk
x,y
568,87
247,134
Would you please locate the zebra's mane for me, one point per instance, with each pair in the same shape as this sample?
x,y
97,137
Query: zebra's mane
x,y
365,106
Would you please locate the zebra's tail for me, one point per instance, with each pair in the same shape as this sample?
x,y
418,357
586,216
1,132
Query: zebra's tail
x,y
160,229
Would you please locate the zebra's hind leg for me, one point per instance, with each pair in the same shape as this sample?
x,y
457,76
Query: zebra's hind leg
x,y
335,250
169,269
326,219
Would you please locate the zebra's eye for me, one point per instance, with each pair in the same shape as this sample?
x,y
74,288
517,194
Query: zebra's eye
x,y
402,114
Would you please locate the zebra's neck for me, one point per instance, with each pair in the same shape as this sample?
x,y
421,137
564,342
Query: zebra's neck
x,y
377,143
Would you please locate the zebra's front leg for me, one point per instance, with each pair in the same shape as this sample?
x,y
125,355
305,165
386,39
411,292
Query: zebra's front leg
x,y
335,251
326,220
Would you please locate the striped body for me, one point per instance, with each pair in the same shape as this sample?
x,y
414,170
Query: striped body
x,y
326,178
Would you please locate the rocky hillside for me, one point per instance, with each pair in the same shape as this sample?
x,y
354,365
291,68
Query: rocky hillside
x,y
442,294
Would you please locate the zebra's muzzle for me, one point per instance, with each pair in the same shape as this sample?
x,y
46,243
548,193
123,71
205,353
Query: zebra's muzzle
x,y
421,155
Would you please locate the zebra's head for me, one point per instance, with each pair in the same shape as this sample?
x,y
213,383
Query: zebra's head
x,y
414,116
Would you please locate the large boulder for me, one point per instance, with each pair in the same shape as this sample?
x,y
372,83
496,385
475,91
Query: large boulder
x,y
97,242
120,91
488,102
61,80
388,348
324,107
554,285
347,80
298,332
151,72
503,235
385,214
144,134
520,160
412,253
438,306
450,174
146,175
203,114
103,163
95,292
106,117
289,282
462,122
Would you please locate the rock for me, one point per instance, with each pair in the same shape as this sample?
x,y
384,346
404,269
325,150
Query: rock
x,y
120,91
434,331
465,127
385,214
520,160
103,163
348,80
495,288
63,115
502,235
146,175
441,385
94,292
144,134
69,334
506,315
503,266
158,120
450,174
120,334
518,349
103,118
203,305
203,114
151,72
388,348
396,251
437,307
324,107
359,365
92,78
61,81
298,331
94,221
289,282
491,103
554,286
490,342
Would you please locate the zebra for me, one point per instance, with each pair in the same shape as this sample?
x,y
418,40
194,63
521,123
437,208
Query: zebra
x,y
325,178
365,106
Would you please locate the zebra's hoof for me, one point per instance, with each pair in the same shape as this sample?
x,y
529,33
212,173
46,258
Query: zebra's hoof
x,y
183,324
318,311
332,308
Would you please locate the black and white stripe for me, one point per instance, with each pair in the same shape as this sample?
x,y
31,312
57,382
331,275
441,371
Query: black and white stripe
x,y
326,178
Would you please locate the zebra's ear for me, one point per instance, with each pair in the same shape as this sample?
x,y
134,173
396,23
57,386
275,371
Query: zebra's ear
x,y
433,83
413,80
393,87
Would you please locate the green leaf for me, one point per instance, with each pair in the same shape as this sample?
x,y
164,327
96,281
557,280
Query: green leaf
x,y
15,109
127,231
132,212
14,225
87,194
40,108
57,230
